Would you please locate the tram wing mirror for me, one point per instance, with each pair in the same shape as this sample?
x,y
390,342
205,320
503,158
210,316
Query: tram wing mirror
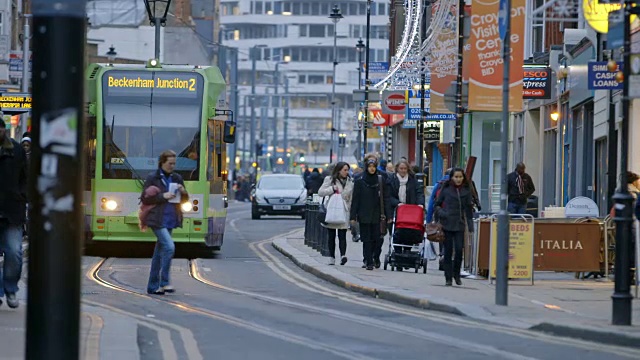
x,y
229,132
229,136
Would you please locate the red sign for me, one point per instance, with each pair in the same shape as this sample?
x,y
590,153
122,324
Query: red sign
x,y
378,118
395,102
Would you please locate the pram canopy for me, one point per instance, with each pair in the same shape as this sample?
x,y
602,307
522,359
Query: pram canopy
x,y
410,217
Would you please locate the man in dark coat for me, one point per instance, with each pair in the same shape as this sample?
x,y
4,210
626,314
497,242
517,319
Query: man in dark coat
x,y
519,187
13,200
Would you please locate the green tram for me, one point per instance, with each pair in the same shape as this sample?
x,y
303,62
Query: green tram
x,y
135,112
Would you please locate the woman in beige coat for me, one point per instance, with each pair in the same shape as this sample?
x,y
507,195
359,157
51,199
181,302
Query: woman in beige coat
x,y
338,184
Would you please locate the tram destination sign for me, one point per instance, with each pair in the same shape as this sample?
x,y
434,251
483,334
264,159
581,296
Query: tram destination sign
x,y
144,83
15,102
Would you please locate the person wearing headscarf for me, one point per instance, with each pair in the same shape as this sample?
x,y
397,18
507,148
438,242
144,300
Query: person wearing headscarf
x,y
369,190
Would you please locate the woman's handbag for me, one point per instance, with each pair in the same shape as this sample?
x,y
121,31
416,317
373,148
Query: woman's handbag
x,y
435,233
322,212
383,218
336,212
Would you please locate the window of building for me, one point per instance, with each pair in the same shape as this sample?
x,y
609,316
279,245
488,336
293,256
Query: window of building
x,y
258,7
236,35
302,79
304,54
362,9
317,31
266,54
286,7
329,79
277,8
325,8
353,9
382,9
315,8
306,8
315,79
303,30
295,54
296,9
268,8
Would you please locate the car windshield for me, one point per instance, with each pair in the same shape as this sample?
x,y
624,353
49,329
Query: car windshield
x,y
145,113
281,183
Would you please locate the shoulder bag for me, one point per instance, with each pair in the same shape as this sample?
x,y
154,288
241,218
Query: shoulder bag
x,y
383,218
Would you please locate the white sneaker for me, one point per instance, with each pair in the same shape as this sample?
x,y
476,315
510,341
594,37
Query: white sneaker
x,y
332,261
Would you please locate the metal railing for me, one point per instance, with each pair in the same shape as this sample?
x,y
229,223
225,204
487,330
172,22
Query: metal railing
x,y
315,235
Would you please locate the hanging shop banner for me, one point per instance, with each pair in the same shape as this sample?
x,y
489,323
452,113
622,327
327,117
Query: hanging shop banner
x,y
536,83
486,73
443,59
600,78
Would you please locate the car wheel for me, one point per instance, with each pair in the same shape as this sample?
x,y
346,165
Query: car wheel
x,y
254,214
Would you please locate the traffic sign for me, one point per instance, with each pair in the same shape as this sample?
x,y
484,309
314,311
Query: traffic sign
x,y
502,18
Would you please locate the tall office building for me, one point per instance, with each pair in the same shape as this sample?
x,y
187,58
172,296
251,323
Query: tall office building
x,y
297,36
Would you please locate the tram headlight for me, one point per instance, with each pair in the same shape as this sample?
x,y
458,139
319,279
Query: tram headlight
x,y
111,205
186,207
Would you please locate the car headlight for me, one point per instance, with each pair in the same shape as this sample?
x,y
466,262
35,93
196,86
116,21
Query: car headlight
x,y
303,197
259,198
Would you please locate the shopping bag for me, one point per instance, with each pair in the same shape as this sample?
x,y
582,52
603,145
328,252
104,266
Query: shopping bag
x,y
336,212
430,251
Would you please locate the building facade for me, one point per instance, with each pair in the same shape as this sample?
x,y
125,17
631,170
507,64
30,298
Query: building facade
x,y
296,38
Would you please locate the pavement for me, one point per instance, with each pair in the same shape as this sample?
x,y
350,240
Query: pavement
x,y
557,303
104,334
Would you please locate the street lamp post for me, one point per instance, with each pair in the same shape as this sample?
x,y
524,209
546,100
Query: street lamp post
x,y
360,49
157,11
335,17
621,298
366,79
276,80
111,54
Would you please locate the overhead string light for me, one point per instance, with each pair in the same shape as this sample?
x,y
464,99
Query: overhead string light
x,y
414,10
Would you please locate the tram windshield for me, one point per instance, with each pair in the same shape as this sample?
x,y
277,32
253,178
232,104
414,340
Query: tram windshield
x,y
145,113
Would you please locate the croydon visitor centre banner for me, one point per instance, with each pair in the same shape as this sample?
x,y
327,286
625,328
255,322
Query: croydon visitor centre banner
x,y
443,63
486,73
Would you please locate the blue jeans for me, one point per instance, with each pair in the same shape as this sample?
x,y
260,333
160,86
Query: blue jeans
x,y
11,246
515,208
161,260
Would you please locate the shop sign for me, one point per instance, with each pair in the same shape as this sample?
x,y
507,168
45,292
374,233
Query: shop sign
x,y
377,72
536,83
600,78
520,249
581,207
393,102
557,246
431,131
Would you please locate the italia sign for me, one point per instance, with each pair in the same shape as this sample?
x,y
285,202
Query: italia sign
x,y
393,102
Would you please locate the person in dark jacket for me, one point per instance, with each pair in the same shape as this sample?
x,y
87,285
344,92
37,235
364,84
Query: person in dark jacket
x,y
13,200
163,218
519,187
454,211
366,210
314,181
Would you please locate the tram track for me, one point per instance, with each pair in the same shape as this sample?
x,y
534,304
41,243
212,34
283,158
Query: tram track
x,y
303,282
93,274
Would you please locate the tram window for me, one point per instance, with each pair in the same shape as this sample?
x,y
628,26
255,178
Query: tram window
x,y
139,123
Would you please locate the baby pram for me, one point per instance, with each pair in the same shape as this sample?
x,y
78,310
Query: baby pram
x,y
407,245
